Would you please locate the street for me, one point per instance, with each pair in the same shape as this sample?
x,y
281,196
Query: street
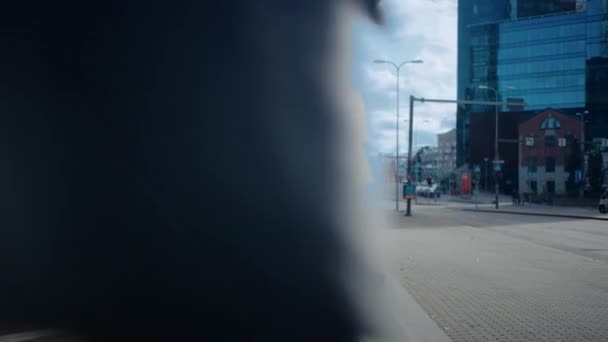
x,y
502,277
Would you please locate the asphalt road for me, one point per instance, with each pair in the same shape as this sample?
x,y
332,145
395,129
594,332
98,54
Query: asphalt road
x,y
500,277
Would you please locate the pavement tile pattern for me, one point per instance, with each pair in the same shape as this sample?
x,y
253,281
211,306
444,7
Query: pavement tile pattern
x,y
481,285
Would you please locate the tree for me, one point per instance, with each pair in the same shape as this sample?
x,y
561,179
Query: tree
x,y
418,156
418,159
573,163
596,173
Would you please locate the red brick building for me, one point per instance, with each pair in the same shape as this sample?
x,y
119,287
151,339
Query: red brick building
x,y
545,141
482,137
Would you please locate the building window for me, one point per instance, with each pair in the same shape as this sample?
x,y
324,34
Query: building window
x,y
550,164
531,164
530,141
551,187
534,187
550,141
550,123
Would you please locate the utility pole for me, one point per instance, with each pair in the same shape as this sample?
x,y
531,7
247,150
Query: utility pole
x,y
582,186
496,156
409,154
486,181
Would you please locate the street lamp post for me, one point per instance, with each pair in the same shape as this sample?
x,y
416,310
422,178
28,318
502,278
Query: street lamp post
x,y
486,182
407,171
397,69
495,141
582,116
496,157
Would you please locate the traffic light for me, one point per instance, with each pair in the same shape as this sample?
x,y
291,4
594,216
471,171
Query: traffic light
x,y
499,175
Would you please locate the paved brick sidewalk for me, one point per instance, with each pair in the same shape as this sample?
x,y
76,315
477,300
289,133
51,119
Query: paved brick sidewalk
x,y
480,285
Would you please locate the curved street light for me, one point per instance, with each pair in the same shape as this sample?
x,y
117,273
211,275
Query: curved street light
x,y
496,157
397,69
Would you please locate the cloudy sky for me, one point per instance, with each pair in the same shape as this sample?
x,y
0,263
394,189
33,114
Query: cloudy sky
x,y
414,29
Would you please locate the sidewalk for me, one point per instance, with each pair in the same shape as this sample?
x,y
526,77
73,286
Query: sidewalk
x,y
481,198
543,210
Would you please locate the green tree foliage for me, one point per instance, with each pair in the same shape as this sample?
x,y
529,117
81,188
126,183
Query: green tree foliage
x,y
418,156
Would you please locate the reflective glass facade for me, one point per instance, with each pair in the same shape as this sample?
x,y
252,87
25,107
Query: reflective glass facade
x,y
529,8
543,59
472,12
551,54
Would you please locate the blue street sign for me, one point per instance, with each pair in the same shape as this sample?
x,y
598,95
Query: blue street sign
x,y
410,191
477,169
578,176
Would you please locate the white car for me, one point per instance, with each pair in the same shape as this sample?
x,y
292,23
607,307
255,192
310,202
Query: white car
x,y
603,206
422,190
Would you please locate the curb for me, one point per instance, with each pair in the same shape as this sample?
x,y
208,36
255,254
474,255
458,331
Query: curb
x,y
536,214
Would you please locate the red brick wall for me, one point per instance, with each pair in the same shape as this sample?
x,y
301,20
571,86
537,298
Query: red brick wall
x,y
531,127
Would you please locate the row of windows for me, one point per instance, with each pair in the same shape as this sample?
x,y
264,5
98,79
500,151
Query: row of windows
x,y
597,50
480,55
572,99
596,29
555,100
539,29
547,82
486,43
481,38
576,54
549,21
574,73
557,31
542,66
525,43
595,7
550,140
565,92
482,51
542,50
549,164
529,67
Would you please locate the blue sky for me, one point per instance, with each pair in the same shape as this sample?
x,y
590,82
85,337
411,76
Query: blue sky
x,y
414,29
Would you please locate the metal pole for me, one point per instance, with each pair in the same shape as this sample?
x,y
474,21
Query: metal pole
x,y
486,182
496,157
477,192
397,141
409,153
397,68
582,186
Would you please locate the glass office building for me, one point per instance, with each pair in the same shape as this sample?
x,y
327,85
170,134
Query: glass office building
x,y
554,60
471,12
542,59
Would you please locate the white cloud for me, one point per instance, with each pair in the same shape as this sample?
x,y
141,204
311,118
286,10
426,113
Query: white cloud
x,y
424,29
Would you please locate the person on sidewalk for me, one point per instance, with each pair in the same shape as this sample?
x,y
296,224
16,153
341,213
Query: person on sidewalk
x,y
516,198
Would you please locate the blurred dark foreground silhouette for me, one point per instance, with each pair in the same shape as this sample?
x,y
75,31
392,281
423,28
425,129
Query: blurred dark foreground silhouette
x,y
167,171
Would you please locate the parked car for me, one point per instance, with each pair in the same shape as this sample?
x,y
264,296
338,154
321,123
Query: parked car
x,y
422,190
428,191
603,206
